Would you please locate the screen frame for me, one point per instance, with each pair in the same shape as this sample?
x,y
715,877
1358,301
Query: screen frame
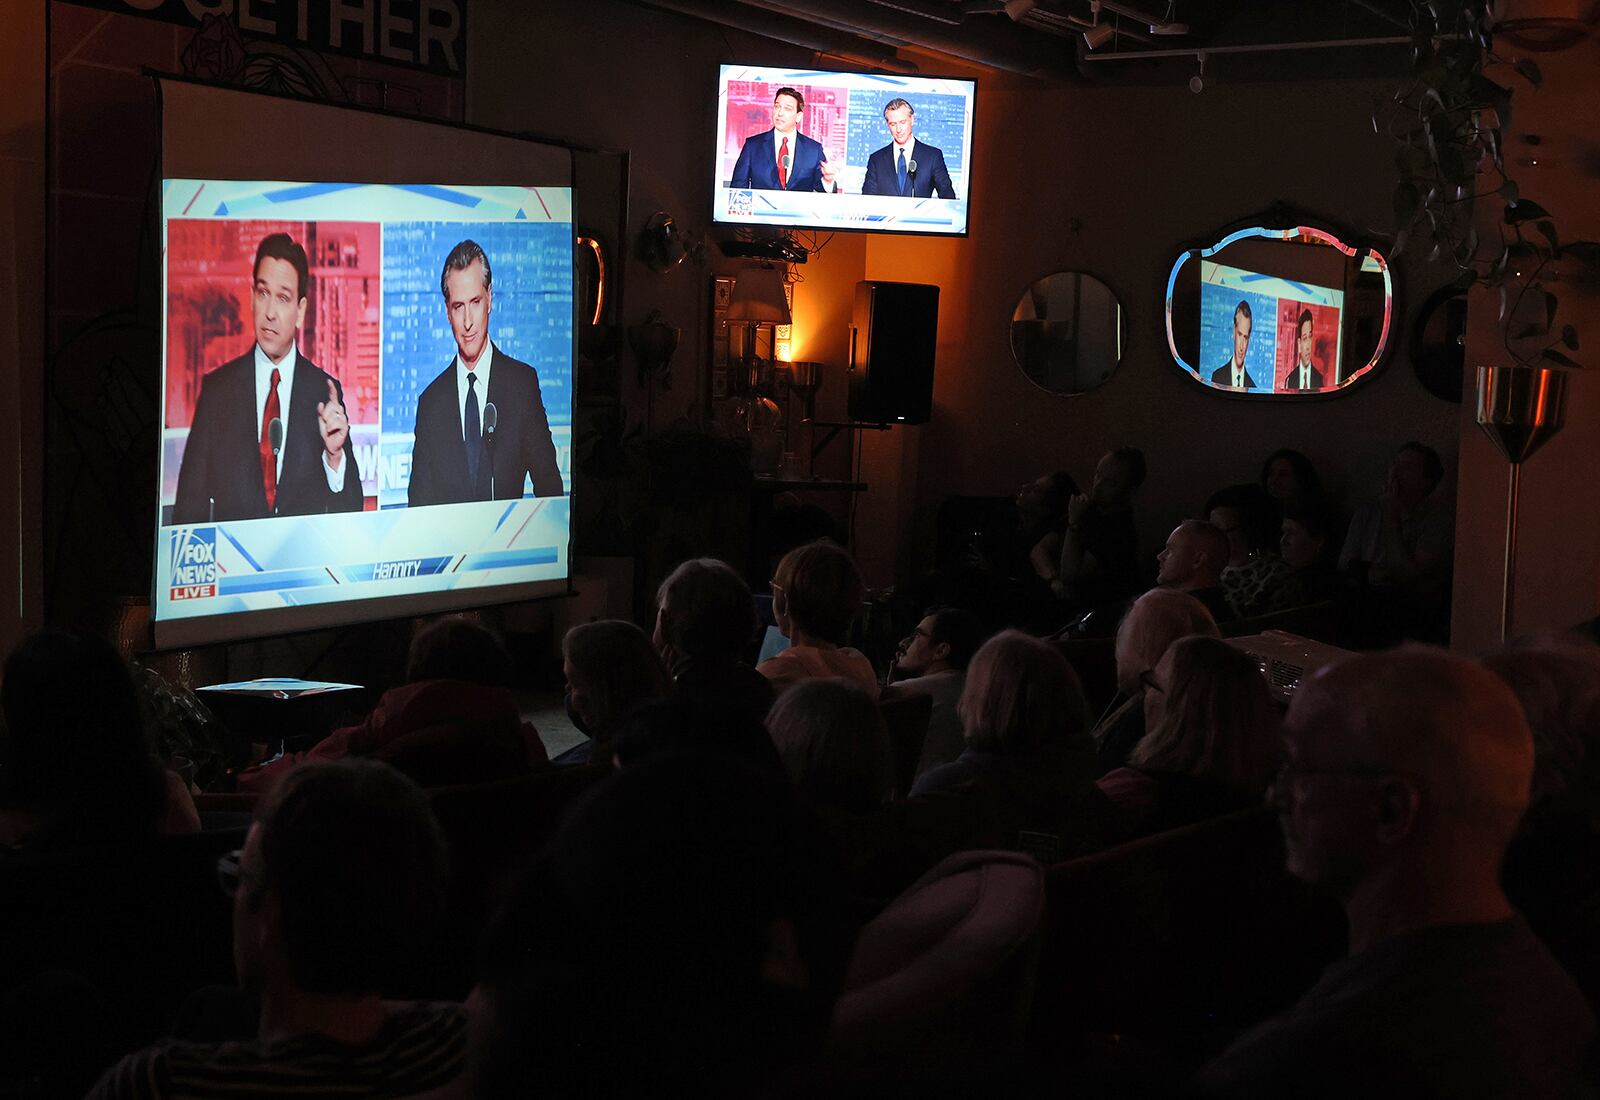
x,y
768,229
187,632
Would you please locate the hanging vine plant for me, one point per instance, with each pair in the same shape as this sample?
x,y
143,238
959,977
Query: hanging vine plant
x,y
1449,122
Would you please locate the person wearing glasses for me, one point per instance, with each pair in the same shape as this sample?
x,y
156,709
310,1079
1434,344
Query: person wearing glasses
x,y
1211,740
336,887
932,661
1405,776
1157,619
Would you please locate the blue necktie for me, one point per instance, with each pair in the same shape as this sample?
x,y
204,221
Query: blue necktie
x,y
473,432
901,171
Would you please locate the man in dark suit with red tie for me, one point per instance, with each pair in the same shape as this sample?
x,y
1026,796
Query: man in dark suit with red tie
x,y
1303,376
231,469
782,158
462,451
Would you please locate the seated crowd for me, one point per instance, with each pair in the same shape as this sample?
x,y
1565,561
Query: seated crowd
x,y
698,914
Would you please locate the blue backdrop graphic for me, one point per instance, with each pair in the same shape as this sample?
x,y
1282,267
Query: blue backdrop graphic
x,y
530,317
940,121
1217,304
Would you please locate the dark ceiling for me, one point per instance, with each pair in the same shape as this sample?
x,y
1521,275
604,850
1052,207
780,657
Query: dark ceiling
x,y
1141,41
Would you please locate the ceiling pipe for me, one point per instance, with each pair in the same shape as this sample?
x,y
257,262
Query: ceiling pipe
x,y
847,47
1261,47
996,43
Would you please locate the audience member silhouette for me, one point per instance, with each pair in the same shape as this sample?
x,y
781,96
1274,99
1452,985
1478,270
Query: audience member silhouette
x,y
1253,576
833,744
1028,749
1100,546
1193,561
816,593
1405,776
76,768
682,936
705,626
932,660
454,720
1288,477
1306,548
1157,619
336,888
1401,548
611,670
1552,870
1212,744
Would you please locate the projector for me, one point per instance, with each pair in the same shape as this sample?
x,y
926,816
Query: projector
x,y
1286,659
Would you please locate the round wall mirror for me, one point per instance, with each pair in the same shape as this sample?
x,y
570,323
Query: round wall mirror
x,y
1067,332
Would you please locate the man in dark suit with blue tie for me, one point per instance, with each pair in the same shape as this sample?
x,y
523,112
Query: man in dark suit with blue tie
x,y
236,464
782,158
461,453
1232,373
906,167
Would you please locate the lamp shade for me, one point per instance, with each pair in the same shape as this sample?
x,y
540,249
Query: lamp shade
x,y
758,296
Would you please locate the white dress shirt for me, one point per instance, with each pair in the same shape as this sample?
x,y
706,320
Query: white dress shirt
x,y
286,372
481,388
1305,376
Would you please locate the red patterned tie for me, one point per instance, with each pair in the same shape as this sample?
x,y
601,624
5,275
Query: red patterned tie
x,y
783,164
269,461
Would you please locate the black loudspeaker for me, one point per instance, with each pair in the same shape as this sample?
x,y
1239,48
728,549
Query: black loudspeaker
x,y
892,339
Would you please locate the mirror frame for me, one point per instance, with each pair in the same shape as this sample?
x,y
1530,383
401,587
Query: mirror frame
x,y
1283,223
1122,333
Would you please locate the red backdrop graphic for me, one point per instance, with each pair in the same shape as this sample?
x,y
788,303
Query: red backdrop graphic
x,y
1325,340
209,310
750,112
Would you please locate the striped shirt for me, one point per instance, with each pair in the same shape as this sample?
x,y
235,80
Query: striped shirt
x,y
421,1047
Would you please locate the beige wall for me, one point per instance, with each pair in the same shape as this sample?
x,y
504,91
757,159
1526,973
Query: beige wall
x,y
22,266
1558,555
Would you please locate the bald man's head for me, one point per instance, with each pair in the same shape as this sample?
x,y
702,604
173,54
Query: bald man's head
x,y
1407,751
1193,557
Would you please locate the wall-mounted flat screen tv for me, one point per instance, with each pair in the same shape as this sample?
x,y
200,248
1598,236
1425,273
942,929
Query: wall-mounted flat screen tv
x,y
811,149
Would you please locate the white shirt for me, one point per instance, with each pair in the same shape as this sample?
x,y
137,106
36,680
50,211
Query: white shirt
x,y
286,372
1305,376
480,387
1236,379
910,150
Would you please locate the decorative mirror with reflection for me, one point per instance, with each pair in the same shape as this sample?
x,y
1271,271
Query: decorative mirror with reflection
x,y
1067,332
1288,312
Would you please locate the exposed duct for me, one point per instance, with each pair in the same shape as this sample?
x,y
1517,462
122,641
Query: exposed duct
x,y
865,28
834,42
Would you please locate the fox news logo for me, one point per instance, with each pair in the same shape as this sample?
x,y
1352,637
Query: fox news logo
x,y
194,563
741,203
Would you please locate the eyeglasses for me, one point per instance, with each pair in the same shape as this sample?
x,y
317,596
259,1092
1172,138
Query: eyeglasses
x,y
228,875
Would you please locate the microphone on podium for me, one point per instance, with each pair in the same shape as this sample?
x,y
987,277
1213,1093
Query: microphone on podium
x,y
491,420
911,171
786,160
275,435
